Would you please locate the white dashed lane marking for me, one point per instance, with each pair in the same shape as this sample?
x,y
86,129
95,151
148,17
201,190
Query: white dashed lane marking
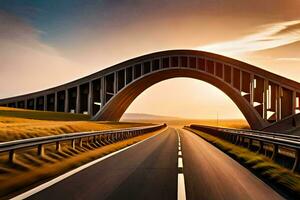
x,y
180,184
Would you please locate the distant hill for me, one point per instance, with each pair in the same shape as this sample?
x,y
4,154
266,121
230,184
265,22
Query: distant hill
x,y
142,116
180,122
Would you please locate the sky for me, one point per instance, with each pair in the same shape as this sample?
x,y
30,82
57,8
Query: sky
x,y
48,43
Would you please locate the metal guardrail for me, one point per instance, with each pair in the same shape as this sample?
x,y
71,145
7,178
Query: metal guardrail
x,y
261,140
100,137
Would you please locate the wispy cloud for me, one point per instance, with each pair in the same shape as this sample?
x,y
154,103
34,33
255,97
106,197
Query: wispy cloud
x,y
266,37
26,59
288,59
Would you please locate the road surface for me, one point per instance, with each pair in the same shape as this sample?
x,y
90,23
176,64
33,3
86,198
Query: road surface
x,y
149,170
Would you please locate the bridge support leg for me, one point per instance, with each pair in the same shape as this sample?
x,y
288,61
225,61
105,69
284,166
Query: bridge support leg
x,y
66,101
55,102
77,110
90,99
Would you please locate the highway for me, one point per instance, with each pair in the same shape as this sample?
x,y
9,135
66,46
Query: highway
x,y
149,170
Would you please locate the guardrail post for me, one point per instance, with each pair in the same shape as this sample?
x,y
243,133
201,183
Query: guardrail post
x,y
11,156
296,162
73,144
249,143
95,139
237,139
80,142
233,138
41,150
58,146
100,142
275,151
261,147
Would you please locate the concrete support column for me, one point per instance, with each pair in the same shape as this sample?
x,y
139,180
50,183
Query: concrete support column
x,y
251,89
188,62
151,66
277,99
232,77
55,102
78,99
102,92
294,102
45,102
278,104
241,80
34,103
125,75
142,71
223,71
90,99
66,101
25,103
265,99
116,82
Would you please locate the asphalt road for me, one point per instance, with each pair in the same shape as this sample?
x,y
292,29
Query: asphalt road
x,y
211,174
149,171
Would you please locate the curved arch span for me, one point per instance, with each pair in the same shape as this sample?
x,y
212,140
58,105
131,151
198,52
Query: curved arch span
x,y
115,108
263,97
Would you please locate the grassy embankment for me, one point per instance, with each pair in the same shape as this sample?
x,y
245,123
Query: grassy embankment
x,y
20,124
29,169
259,164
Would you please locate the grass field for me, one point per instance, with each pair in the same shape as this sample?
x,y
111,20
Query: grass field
x,y
261,165
30,170
41,115
20,124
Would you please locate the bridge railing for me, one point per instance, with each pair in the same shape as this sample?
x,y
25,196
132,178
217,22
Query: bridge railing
x,y
100,138
280,148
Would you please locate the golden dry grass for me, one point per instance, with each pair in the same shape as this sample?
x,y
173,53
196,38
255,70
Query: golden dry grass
x,y
31,170
14,128
17,128
41,115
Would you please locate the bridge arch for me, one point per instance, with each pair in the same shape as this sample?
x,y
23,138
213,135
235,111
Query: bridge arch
x,y
115,108
263,97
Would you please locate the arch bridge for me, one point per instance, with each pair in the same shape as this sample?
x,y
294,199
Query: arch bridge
x,y
263,97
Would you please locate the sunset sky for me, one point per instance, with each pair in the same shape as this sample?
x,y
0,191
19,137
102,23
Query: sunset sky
x,y
48,43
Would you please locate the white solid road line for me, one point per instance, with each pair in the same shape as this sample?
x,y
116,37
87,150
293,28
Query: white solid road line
x,y
74,171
